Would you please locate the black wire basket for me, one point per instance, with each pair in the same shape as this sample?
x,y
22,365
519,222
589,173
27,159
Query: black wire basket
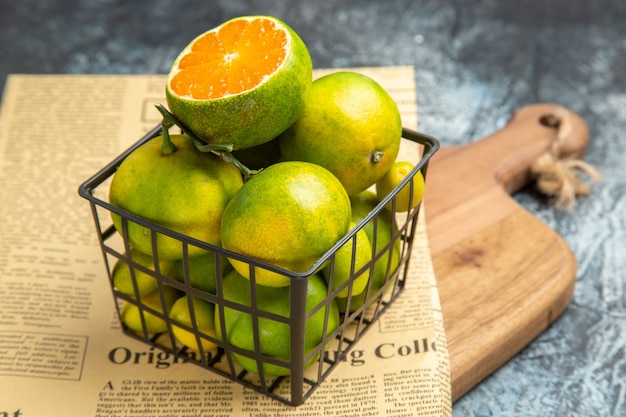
x,y
305,368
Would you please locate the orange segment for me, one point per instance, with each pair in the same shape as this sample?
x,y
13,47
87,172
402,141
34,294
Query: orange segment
x,y
231,59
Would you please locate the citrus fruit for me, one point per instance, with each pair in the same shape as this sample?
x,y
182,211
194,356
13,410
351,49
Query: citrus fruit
x,y
241,83
350,125
146,283
274,336
185,191
204,314
346,266
288,215
387,256
131,313
202,271
404,200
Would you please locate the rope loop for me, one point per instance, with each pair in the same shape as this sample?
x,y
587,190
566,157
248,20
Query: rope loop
x,y
557,176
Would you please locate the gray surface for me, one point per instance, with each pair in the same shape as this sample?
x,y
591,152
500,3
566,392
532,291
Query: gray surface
x,y
476,62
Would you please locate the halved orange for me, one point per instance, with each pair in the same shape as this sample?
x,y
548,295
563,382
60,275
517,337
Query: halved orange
x,y
241,83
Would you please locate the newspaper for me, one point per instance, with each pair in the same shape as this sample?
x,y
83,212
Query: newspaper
x,y
62,351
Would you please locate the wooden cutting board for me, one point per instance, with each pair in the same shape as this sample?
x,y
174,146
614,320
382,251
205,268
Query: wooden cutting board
x,y
503,275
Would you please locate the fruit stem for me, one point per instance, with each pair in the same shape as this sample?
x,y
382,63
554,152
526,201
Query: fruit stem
x,y
376,157
228,157
167,147
223,151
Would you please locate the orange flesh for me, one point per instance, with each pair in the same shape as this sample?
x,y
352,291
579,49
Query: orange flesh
x,y
233,59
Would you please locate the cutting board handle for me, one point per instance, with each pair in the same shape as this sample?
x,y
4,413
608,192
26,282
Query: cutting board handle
x,y
507,155
531,132
474,181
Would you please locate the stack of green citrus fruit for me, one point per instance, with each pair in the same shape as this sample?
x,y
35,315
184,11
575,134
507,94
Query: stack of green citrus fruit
x,y
243,94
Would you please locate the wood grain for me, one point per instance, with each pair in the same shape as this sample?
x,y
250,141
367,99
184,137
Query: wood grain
x,y
503,275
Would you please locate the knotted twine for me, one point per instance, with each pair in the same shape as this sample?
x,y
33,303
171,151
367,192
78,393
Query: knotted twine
x,y
558,176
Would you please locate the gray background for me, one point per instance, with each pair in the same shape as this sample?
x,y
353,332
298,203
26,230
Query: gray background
x,y
476,63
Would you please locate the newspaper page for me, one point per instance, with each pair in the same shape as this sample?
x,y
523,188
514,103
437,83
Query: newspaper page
x,y
62,351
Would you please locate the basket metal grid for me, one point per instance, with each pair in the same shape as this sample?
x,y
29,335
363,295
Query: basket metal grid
x,y
301,380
